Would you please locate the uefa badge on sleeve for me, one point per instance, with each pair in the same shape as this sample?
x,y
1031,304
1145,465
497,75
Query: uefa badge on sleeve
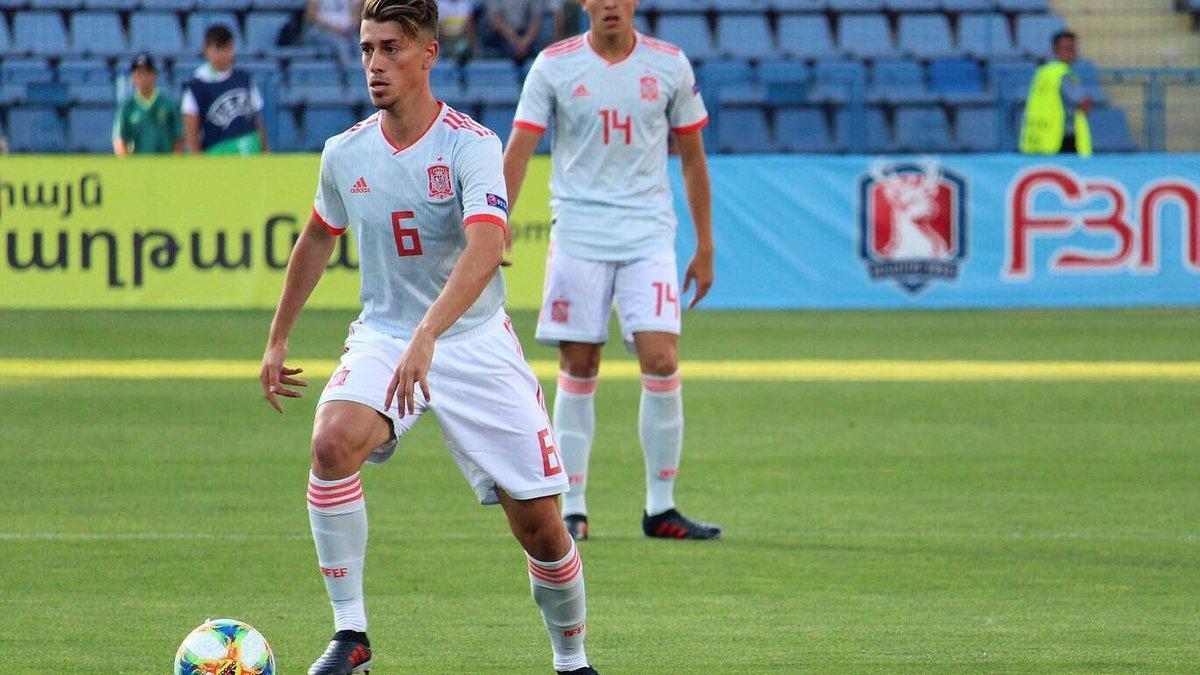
x,y
912,223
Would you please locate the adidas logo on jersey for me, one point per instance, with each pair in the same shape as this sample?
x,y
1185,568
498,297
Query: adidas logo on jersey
x,y
580,91
360,187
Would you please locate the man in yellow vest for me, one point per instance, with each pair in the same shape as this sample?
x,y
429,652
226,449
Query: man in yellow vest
x,y
1056,112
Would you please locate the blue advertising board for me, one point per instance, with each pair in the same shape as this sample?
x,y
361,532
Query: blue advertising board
x,y
967,231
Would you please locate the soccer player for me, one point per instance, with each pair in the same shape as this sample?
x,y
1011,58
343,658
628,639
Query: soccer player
x,y
614,97
422,187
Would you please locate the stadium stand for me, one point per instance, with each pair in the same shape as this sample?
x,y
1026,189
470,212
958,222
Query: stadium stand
x,y
778,75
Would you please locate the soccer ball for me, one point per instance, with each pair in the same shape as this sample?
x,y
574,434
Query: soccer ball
x,y
225,647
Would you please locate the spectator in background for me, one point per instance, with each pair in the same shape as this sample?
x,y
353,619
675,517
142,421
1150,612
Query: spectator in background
x,y
222,108
334,24
568,15
514,27
148,122
1056,112
456,28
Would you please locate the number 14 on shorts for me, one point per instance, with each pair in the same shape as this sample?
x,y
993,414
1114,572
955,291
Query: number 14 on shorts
x,y
665,297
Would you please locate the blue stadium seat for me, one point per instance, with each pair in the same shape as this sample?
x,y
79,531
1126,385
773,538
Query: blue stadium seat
x,y
715,76
901,6
39,33
112,5
978,129
1034,32
798,6
690,33
959,6
322,122
923,129
98,33
200,22
90,129
21,72
743,130
445,79
745,36
986,36
1011,79
262,29
491,81
91,82
155,32
499,118
1110,131
839,6
959,82
682,6
13,4
745,94
314,82
35,129
926,36
5,38
169,5
56,4
1089,76
1015,6
183,70
806,36
803,130
733,6
285,134
837,81
849,134
896,82
225,5
284,5
866,36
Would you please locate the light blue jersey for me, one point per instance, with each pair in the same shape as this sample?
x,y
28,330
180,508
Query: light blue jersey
x,y
409,209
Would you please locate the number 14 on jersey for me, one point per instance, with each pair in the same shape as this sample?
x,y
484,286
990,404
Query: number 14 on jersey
x,y
613,124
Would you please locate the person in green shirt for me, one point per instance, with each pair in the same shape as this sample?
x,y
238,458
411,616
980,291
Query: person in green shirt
x,y
148,122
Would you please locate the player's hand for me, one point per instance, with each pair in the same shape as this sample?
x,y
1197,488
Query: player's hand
x,y
274,376
508,238
413,368
700,271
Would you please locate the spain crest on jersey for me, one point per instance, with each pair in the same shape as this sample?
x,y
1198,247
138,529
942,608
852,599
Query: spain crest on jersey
x,y
912,223
440,186
649,88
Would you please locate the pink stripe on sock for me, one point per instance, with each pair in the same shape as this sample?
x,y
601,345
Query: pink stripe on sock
x,y
661,385
561,575
581,386
356,496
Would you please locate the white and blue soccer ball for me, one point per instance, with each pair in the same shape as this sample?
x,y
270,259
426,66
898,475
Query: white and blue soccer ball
x,y
225,647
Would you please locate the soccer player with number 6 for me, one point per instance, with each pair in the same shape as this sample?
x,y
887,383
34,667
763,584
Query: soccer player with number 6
x,y
422,187
614,96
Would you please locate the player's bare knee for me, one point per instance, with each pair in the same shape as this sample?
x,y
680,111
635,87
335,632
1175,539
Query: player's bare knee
x,y
659,362
334,454
579,359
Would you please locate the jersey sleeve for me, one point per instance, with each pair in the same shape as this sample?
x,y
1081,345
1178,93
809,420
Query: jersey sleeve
x,y
481,182
328,207
537,100
686,112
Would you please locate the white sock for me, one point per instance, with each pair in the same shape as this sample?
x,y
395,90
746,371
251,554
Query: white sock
x,y
558,592
574,427
338,515
660,426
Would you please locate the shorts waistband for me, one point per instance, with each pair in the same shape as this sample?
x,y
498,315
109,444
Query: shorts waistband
x,y
492,323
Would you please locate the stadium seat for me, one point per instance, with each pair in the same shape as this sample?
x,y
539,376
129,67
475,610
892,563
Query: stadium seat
x,y
284,5
895,82
682,6
155,32
491,81
200,22
837,81
499,118
112,5
183,70
798,6
785,81
1110,131
90,129
959,82
39,33
923,129
5,37
901,6
840,6
745,36
286,133
262,30
715,76
807,36
314,82
734,6
20,72
225,5
1016,6
986,36
978,129
98,33
13,4
1011,79
1089,76
744,94
36,129
322,122
803,130
960,6
169,5
690,33
848,132
1034,32
926,36
743,130
91,82
866,36
57,5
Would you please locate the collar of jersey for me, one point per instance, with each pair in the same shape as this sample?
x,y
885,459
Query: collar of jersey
x,y
398,150
587,40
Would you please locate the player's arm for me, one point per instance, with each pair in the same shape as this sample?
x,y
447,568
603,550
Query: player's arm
x,y
521,144
191,122
699,198
307,264
120,133
472,273
256,101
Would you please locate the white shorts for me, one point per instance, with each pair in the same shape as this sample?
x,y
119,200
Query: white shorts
x,y
484,395
578,296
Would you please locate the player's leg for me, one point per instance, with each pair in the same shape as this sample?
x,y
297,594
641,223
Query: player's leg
x,y
555,576
575,425
577,301
648,300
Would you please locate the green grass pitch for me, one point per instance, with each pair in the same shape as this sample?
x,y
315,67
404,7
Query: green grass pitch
x,y
974,527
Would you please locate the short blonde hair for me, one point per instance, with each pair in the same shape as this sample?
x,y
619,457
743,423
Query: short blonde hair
x,y
414,16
